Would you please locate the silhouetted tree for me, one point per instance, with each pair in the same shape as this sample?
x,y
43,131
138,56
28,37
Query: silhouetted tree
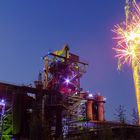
x,y
120,114
135,117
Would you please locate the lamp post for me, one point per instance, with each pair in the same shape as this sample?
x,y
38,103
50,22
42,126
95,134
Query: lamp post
x,y
2,111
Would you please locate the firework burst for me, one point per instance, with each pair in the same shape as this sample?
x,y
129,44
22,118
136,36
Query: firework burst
x,y
128,37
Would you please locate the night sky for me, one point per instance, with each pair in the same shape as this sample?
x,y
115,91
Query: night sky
x,y
31,28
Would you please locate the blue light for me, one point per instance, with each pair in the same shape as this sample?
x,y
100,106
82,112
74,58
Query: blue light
x,y
56,60
49,53
90,95
67,81
2,101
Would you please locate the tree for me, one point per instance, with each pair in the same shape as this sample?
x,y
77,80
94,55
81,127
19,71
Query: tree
x,y
135,117
121,117
120,114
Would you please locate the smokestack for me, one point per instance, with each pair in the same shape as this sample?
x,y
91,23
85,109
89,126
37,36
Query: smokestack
x,y
90,109
100,102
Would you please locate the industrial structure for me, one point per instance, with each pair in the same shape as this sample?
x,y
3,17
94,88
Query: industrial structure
x,y
55,106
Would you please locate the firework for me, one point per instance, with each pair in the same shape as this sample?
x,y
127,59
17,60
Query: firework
x,y
128,43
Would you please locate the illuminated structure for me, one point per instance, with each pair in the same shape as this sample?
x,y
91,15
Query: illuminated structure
x,y
128,46
56,107
56,104
62,72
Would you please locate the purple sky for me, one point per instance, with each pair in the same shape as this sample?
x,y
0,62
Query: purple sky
x,y
31,28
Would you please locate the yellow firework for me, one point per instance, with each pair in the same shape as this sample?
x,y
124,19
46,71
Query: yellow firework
x,y
128,36
128,43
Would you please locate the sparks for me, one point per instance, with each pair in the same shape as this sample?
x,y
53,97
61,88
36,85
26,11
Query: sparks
x,y
128,36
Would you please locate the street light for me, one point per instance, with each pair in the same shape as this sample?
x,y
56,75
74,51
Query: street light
x,y
2,107
2,111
